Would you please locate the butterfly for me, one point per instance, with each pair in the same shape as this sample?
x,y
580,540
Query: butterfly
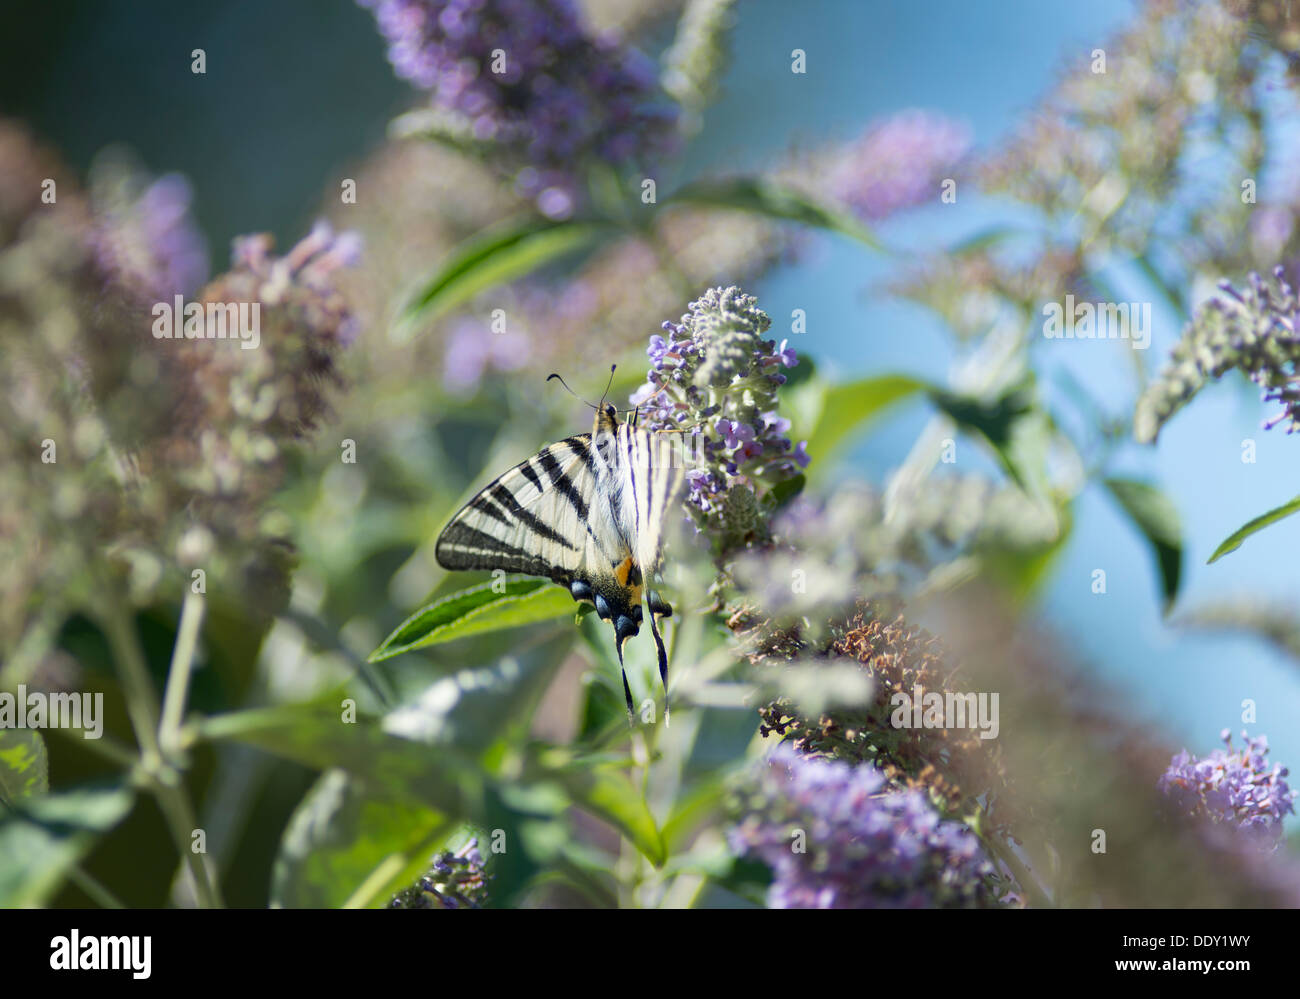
x,y
587,513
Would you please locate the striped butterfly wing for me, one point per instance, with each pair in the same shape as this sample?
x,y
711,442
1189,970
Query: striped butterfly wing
x,y
650,475
541,518
586,516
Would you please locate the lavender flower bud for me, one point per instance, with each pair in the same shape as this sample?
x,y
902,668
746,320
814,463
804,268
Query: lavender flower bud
x,y
713,378
1253,330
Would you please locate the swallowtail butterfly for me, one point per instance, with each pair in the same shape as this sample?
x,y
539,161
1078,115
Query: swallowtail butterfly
x,y
587,513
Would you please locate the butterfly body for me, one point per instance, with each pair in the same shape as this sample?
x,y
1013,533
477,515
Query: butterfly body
x,y
587,513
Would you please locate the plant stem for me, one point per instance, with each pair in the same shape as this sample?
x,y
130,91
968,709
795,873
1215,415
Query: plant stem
x,y
93,887
386,873
105,746
141,702
142,708
1027,881
178,674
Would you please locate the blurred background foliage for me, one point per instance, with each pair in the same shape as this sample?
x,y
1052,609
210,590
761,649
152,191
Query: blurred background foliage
x,y
816,192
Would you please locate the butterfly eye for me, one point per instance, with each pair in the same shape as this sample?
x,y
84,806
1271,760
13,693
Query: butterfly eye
x,y
611,412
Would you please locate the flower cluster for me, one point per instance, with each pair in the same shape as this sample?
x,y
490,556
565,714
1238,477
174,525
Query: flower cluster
x,y
454,881
524,77
1233,787
837,838
715,379
143,233
156,455
695,60
1059,736
971,289
1253,330
1278,21
858,543
898,163
895,657
1117,149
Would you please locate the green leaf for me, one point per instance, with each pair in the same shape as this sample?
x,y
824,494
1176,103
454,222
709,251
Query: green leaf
x,y
474,708
500,254
608,793
316,736
1270,620
783,492
847,406
1155,515
427,748
1011,424
24,764
762,196
701,801
522,600
1023,571
347,845
1234,540
42,837
986,238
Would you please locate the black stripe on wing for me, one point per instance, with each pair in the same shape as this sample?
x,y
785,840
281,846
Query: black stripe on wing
x,y
465,547
507,499
560,480
473,539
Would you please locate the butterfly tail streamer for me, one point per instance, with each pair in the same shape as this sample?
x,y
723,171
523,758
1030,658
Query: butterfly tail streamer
x,y
663,659
627,690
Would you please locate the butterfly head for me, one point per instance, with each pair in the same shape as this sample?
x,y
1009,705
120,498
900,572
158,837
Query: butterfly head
x,y
606,420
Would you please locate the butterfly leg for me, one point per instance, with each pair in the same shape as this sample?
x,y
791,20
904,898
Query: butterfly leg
x,y
627,696
627,691
659,608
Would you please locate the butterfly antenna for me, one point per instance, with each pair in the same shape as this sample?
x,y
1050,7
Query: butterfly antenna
x,y
604,394
570,391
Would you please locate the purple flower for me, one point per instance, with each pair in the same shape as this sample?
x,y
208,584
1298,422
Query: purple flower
x,y
733,433
835,837
787,356
150,242
801,454
525,76
556,203
473,349
1236,788
710,377
453,881
898,163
